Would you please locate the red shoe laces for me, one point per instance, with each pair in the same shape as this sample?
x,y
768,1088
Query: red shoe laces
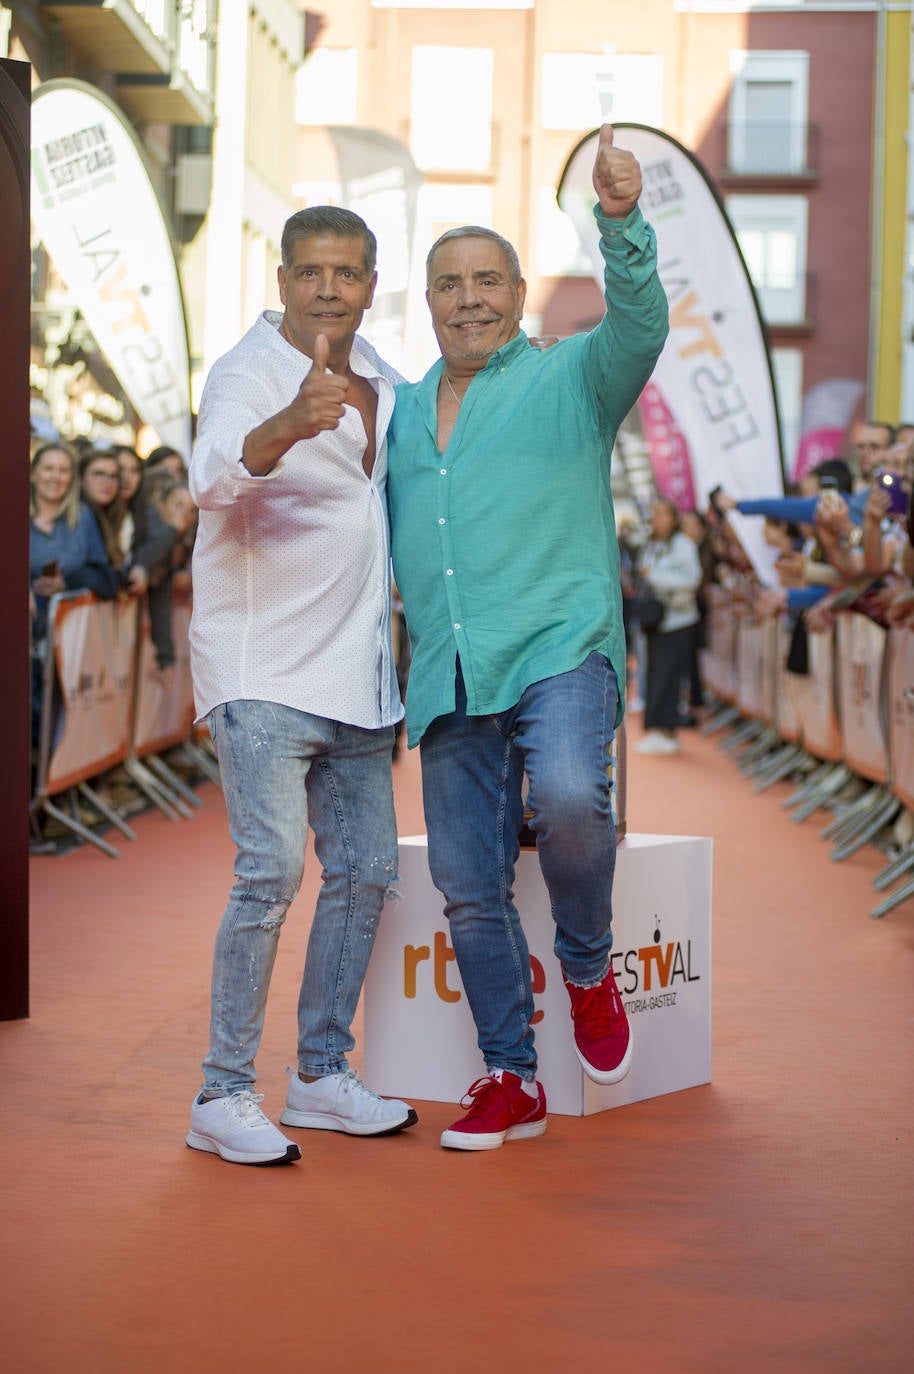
x,y
596,1009
476,1093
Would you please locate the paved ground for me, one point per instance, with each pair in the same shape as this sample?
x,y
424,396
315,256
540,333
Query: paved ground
x,y
760,1223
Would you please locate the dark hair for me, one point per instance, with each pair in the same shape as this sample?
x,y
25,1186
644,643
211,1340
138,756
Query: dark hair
x,y
702,519
160,455
328,219
117,449
473,231
108,518
882,424
837,468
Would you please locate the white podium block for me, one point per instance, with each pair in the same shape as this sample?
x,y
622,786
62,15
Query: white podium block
x,y
420,1040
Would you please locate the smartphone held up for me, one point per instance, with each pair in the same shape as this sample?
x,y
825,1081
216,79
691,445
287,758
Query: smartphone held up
x,y
899,496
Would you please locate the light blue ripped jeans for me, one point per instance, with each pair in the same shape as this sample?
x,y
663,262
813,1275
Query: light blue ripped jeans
x,y
281,770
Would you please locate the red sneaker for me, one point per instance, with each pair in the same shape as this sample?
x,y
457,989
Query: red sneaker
x,y
498,1111
602,1035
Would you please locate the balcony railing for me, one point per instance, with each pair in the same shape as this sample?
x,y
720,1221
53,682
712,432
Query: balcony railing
x,y
160,52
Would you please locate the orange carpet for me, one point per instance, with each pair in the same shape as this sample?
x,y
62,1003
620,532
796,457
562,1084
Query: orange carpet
x,y
762,1223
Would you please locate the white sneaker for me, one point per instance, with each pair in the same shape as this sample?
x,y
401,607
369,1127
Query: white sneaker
x,y
669,744
656,743
341,1102
235,1128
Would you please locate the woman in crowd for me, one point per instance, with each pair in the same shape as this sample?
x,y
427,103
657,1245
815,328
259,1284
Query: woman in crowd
x,y
167,459
100,487
671,571
132,532
66,550
159,512
170,518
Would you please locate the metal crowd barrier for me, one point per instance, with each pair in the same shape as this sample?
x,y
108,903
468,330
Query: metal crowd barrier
x,y
104,704
844,730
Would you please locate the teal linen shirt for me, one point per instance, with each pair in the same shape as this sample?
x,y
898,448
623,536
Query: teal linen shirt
x,y
504,546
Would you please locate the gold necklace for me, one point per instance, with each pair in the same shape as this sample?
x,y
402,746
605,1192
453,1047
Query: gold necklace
x,y
447,380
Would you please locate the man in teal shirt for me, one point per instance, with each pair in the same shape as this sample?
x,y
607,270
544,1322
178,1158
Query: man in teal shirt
x,y
505,555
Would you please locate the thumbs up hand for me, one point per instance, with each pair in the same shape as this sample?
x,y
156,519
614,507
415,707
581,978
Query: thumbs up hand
x,y
321,397
616,176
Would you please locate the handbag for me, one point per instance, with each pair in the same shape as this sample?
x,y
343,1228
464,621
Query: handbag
x,y
649,611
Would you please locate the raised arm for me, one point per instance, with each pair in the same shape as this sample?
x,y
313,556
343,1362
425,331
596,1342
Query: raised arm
x,y
622,350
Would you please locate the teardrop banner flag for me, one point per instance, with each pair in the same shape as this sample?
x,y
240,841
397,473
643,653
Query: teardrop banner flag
x,y
714,376
100,220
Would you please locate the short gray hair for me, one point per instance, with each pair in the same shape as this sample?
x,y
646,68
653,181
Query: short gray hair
x,y
328,219
473,231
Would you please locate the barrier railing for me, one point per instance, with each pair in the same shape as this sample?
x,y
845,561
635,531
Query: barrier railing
x,y
846,725
104,704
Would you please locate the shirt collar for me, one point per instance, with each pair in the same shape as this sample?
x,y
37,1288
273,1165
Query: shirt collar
x,y
512,349
361,359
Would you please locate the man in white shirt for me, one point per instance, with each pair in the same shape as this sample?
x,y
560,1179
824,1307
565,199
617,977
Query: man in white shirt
x,y
291,653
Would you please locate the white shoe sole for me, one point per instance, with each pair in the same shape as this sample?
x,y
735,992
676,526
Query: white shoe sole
x,y
196,1141
464,1140
606,1077
326,1121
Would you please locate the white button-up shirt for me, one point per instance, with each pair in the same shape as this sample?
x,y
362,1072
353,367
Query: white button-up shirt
x,y
291,571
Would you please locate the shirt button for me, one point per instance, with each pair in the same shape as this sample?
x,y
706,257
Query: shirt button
x,y
457,625
444,472
450,572
442,521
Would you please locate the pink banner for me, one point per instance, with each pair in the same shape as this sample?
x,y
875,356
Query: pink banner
x,y
668,447
827,412
815,448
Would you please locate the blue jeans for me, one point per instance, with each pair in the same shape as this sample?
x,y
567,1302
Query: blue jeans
x,y
281,770
559,733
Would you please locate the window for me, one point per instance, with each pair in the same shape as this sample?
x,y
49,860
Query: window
x,y
440,141
447,207
582,89
326,87
772,234
768,113
787,366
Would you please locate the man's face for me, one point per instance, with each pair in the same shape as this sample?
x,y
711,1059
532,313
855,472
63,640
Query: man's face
x,y
325,290
476,308
871,447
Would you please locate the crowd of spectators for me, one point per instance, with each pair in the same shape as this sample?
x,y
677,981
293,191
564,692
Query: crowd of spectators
x,y
106,521
841,538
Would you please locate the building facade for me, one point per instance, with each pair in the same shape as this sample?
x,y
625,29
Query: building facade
x,y
208,90
785,104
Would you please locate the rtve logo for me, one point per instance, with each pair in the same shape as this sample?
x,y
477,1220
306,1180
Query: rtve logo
x,y
651,968
414,955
